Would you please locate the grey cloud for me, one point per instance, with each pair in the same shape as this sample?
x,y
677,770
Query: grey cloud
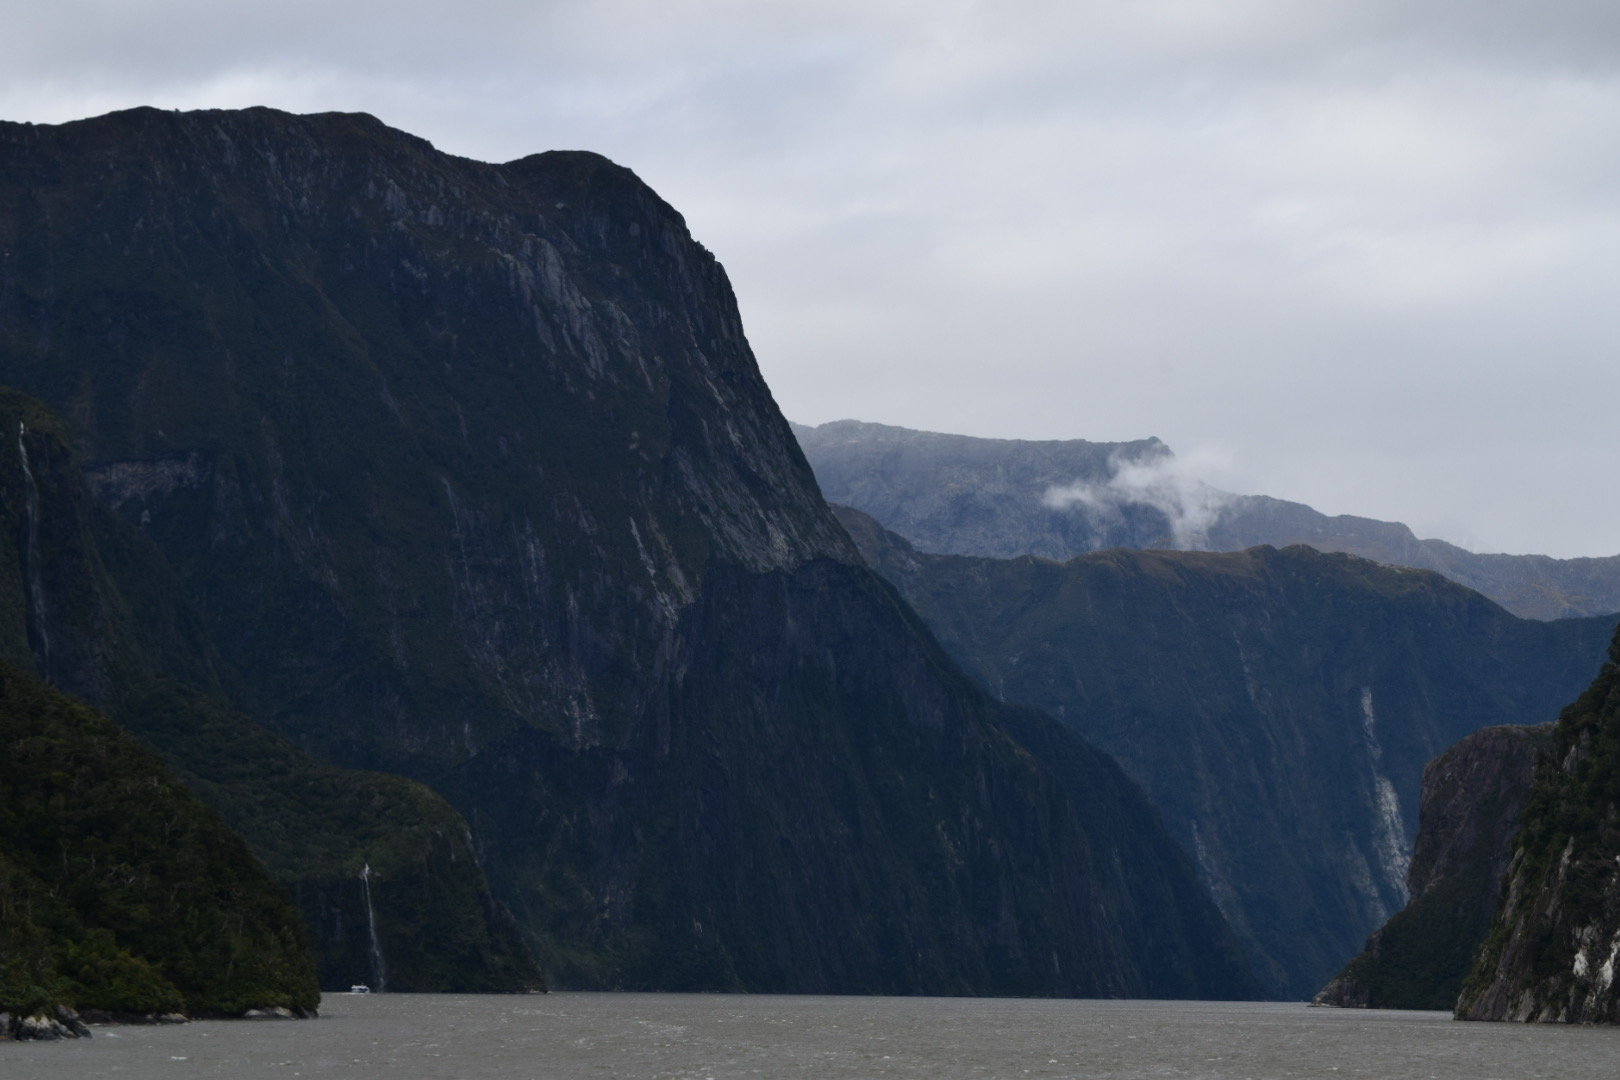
x,y
1365,247
1191,506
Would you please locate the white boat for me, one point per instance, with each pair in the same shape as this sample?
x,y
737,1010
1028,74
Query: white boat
x,y
359,988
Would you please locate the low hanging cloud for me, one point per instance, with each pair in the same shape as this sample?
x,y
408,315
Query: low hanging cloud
x,y
1162,483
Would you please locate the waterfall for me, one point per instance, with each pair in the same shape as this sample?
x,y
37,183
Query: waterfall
x,y
379,974
36,588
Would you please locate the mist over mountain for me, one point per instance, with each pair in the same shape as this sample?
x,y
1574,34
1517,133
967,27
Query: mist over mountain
x,y
469,476
956,494
1278,706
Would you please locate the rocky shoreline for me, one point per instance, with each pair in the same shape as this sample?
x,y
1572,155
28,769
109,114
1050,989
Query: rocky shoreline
x,y
65,1023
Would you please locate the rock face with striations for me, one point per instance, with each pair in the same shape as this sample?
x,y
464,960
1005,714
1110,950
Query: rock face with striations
x,y
1552,951
1473,795
472,476
1277,706
958,495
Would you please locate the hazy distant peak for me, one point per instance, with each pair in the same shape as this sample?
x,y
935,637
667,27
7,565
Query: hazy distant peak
x,y
866,433
966,495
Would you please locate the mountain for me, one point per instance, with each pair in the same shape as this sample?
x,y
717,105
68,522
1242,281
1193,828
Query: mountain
x,y
1278,706
1472,797
1551,951
120,892
1002,498
959,495
470,476
91,605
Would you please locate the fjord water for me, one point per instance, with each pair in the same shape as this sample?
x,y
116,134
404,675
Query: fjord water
x,y
561,1036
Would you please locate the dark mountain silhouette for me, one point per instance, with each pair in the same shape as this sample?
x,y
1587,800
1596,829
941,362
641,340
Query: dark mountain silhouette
x,y
470,476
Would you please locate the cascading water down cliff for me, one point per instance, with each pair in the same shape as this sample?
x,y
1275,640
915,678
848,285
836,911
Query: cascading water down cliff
x,y
39,639
379,972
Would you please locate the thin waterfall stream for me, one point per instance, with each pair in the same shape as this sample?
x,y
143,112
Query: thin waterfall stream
x,y
379,973
36,588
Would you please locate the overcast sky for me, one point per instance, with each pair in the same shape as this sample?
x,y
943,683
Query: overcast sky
x,y
1361,254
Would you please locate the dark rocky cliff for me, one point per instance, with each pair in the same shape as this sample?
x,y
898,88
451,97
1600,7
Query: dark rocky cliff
x,y
1472,798
472,476
1552,949
957,495
1278,706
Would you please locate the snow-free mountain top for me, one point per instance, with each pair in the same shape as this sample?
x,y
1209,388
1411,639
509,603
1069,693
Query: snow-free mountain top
x,y
957,494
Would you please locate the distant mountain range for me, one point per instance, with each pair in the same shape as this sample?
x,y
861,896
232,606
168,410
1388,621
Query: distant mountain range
x,y
955,494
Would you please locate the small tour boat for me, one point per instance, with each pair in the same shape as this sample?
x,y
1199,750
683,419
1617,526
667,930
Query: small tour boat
x,y
359,988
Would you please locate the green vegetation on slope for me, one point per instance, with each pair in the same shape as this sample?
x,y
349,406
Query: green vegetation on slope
x,y
1551,952
317,827
121,891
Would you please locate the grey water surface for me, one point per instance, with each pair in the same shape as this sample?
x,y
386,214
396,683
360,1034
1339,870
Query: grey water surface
x,y
703,1036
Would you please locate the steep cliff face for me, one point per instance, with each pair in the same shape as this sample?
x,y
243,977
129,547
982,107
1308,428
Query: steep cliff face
x,y
1472,798
957,495
1551,952
416,406
1277,706
89,604
473,476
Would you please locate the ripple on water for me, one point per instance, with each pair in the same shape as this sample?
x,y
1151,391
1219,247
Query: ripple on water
x,y
718,1037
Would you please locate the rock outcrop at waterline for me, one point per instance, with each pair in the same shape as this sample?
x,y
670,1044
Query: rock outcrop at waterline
x,y
472,474
1473,795
1552,951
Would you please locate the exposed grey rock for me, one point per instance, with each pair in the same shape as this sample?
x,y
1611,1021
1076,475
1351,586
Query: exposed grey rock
x,y
41,1028
104,1017
275,1012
